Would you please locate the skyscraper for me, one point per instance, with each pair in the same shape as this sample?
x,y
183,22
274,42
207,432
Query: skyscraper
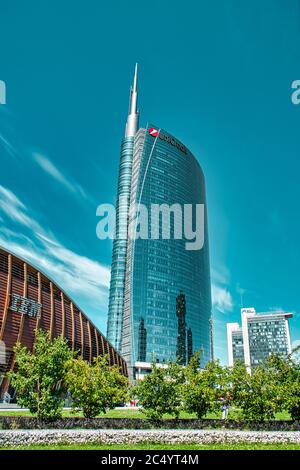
x,y
118,267
259,336
160,295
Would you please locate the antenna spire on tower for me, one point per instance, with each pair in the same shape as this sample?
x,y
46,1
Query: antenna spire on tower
x,y
135,77
133,115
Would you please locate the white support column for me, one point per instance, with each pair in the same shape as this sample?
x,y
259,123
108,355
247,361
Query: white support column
x,y
288,336
246,313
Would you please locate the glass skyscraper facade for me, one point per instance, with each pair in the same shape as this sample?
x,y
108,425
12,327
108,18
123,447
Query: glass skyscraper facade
x,y
238,345
165,287
161,271
118,267
268,334
260,335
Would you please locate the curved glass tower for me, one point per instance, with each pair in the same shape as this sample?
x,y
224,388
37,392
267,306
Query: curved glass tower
x,y
160,293
167,305
117,282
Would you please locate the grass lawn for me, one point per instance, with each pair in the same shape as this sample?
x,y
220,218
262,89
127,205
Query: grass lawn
x,y
133,413
175,447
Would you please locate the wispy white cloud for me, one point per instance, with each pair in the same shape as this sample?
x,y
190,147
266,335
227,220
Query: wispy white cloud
x,y
21,152
220,275
48,167
221,298
10,149
296,355
14,209
276,309
84,278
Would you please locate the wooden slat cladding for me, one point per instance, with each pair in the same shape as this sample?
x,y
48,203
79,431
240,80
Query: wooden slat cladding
x,y
5,278
63,319
31,291
86,339
97,342
82,342
73,332
59,315
38,320
89,340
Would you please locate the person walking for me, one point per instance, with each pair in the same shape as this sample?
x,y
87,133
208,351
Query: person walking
x,y
225,408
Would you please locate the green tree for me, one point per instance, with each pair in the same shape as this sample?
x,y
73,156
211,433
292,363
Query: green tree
x,y
160,392
293,393
256,394
95,387
238,377
38,377
203,389
292,390
292,397
287,375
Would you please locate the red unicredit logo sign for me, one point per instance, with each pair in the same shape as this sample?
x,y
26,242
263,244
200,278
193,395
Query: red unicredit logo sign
x,y
155,133
152,131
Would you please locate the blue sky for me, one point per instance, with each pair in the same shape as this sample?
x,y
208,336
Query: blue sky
x,y
217,74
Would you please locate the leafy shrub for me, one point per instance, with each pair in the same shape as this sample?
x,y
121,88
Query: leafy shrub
x,y
38,377
203,389
96,387
161,391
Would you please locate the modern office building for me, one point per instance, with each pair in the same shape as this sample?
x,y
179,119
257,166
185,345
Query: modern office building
x,y
260,335
160,294
30,300
118,266
235,343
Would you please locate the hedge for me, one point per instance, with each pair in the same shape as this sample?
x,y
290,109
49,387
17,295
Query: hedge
x,y
29,422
